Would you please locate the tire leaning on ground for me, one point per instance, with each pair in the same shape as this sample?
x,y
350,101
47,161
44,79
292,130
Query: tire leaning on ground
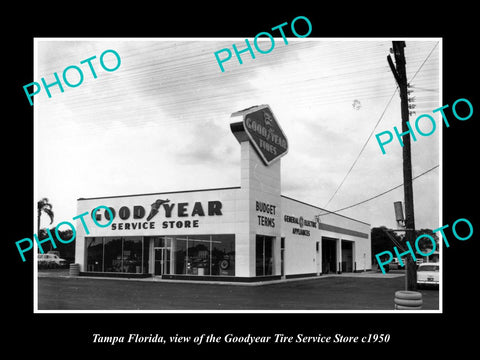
x,y
408,300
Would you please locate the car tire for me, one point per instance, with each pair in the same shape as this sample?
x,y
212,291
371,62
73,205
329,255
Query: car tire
x,y
408,302
401,307
408,295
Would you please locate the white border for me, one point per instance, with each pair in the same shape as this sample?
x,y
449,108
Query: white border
x,y
35,183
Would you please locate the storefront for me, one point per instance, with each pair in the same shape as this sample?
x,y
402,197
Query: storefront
x,y
246,233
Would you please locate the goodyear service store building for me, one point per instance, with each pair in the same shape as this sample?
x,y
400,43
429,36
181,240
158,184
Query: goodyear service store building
x,y
246,233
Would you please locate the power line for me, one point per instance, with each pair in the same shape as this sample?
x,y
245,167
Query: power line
x,y
424,89
383,193
363,147
175,80
424,61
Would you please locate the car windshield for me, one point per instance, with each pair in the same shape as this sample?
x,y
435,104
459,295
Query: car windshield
x,y
428,268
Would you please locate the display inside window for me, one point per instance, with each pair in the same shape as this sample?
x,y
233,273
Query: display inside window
x,y
94,248
223,255
112,255
204,255
115,254
180,255
132,255
201,255
264,255
198,256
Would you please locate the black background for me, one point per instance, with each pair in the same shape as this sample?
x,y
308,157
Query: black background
x,y
70,334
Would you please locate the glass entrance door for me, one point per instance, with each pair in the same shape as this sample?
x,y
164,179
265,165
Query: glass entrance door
x,y
162,261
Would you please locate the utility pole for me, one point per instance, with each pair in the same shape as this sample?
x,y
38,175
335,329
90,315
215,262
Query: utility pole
x,y
400,74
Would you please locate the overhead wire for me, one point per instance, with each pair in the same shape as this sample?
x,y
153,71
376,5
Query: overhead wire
x,y
378,195
363,147
424,61
193,60
374,128
333,87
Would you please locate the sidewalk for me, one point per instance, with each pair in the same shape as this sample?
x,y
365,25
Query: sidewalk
x,y
64,273
329,292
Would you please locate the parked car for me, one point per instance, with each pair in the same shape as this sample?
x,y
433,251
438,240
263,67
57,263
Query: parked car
x,y
428,274
51,261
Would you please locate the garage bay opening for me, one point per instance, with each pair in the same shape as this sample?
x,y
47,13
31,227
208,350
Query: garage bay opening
x,y
329,255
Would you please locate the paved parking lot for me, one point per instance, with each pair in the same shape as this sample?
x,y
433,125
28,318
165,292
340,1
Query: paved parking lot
x,y
367,292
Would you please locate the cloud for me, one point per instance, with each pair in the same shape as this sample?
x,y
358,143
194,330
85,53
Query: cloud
x,y
160,122
206,142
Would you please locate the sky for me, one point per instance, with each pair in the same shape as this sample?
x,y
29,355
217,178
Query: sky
x,y
160,122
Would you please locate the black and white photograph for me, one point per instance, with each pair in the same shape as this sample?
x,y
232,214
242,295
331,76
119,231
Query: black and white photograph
x,y
246,185
279,188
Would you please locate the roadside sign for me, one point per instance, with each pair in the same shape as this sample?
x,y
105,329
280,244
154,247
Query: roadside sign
x,y
264,132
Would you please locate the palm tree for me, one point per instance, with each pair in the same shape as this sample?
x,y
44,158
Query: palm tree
x,y
44,206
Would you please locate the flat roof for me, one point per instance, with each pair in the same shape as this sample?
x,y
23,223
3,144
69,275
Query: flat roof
x,y
159,193
216,189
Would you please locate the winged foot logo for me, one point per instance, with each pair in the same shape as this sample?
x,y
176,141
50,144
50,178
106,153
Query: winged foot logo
x,y
155,206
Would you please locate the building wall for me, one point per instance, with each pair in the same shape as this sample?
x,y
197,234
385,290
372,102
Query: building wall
x,y
239,216
261,184
300,247
231,220
256,208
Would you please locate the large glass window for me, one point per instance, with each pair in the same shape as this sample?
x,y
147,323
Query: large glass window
x,y
223,255
180,255
264,255
132,254
115,254
204,255
94,247
190,255
199,255
146,256
161,241
112,254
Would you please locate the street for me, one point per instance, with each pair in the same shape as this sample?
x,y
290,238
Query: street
x,y
368,292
